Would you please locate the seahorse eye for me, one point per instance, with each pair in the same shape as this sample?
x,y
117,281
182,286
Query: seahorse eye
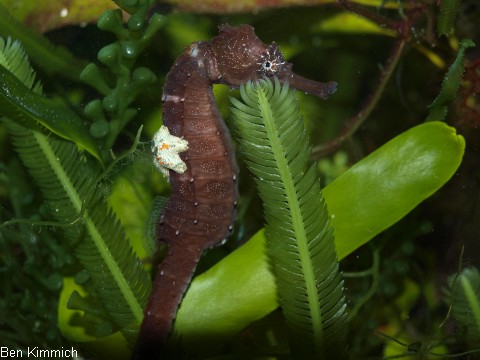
x,y
271,66
272,60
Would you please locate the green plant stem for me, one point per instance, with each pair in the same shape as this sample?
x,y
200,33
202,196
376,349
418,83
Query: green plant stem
x,y
459,271
375,272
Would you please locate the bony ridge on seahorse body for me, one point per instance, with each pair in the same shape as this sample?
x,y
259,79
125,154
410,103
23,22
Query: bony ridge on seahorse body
x,y
201,210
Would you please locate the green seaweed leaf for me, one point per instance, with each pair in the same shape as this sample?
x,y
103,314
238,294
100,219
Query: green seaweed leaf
x,y
447,16
27,108
450,85
231,299
68,184
300,242
21,99
68,181
378,191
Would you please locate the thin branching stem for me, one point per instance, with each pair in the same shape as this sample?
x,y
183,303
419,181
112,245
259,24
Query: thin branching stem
x,y
404,30
355,122
374,271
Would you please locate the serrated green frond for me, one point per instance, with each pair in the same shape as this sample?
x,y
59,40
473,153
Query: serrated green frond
x,y
28,108
299,237
68,183
450,84
464,296
14,59
150,240
447,16
23,102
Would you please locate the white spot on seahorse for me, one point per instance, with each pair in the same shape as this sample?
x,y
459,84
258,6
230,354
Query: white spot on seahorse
x,y
194,50
167,148
173,98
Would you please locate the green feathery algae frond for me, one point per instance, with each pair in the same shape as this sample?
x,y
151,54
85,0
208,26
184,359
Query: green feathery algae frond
x,y
299,237
24,103
68,181
14,59
463,294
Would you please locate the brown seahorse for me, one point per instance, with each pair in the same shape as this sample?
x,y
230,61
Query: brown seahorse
x,y
201,210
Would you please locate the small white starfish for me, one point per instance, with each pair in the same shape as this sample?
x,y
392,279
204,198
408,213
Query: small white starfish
x,y
167,148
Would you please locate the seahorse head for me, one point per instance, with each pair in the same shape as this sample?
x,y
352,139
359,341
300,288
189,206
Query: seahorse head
x,y
241,56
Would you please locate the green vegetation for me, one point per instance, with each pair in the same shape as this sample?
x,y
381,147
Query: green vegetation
x,y
354,266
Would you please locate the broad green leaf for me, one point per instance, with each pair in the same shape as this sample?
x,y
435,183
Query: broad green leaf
x,y
347,22
113,346
236,291
244,6
382,188
131,202
367,199
65,315
27,108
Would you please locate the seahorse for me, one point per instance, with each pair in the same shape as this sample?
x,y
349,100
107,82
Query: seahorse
x,y
201,210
